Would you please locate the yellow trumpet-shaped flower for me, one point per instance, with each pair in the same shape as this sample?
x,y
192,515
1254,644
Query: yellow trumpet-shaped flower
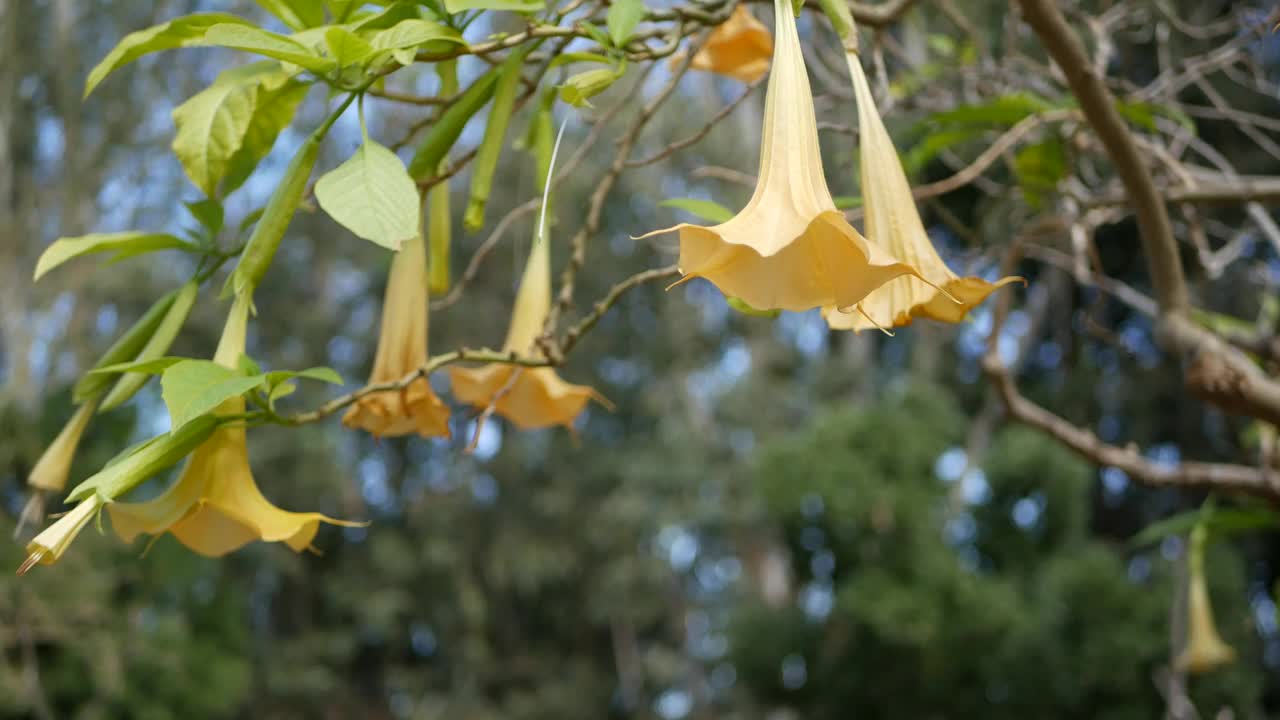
x,y
215,506
740,48
528,397
789,248
1205,651
893,224
402,348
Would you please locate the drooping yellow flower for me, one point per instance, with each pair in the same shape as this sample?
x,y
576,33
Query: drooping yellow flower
x,y
527,396
893,223
402,348
215,506
740,47
1205,651
789,248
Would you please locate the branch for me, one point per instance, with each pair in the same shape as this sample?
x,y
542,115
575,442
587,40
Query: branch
x,y
1206,476
1218,373
1099,108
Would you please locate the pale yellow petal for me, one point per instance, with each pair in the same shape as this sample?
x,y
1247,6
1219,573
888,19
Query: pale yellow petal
x,y
893,223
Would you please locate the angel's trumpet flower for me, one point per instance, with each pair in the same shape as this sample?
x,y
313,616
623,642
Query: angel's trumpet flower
x,y
402,349
530,397
893,224
1205,651
215,506
789,248
740,48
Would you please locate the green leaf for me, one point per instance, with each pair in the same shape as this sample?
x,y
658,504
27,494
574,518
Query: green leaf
x,y
269,44
211,126
323,374
297,14
372,195
1144,114
453,7
154,366
247,365
346,48
1005,110
181,32
410,35
208,213
192,388
122,244
280,391
274,109
340,9
1039,168
920,155
708,210
1219,521
622,19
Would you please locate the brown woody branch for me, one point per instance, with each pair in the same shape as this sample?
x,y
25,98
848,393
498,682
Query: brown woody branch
x,y
1218,373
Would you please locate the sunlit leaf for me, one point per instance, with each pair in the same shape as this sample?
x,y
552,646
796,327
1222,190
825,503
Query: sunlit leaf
x,y
708,210
372,195
297,14
180,32
269,44
121,245
192,388
622,19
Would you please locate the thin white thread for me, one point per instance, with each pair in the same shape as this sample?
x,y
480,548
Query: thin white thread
x,y
551,171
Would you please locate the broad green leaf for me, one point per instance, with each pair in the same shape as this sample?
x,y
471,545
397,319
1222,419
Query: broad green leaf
x,y
192,388
154,366
208,213
372,195
280,391
1144,114
454,7
346,48
180,32
340,9
247,365
297,14
211,126
410,35
622,19
122,245
323,374
397,13
1039,168
708,210
1005,110
1219,521
269,44
923,152
273,110
580,88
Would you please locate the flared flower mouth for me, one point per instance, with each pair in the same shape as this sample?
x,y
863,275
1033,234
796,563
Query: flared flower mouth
x,y
789,248
740,48
215,506
893,224
530,398
402,349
